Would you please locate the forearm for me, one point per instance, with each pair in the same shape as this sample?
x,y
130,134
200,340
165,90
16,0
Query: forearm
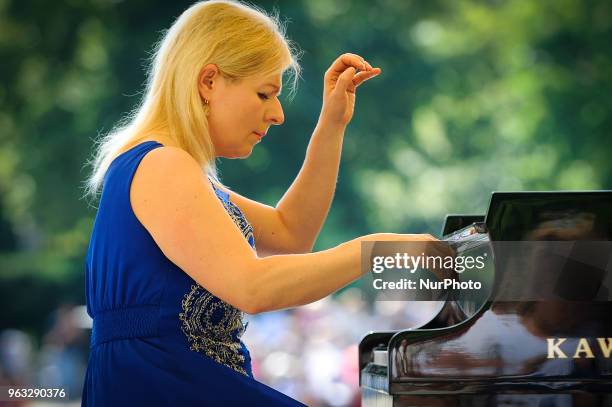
x,y
306,203
285,281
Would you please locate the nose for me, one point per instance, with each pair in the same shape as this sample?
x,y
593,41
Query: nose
x,y
274,114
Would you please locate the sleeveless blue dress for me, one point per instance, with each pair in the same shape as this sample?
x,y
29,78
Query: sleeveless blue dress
x,y
159,338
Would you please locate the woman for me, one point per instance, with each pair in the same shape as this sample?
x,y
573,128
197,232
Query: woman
x,y
172,265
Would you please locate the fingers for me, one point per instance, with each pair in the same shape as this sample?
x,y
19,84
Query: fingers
x,y
345,81
347,60
440,247
363,76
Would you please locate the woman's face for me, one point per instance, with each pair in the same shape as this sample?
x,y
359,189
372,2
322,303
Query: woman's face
x,y
241,112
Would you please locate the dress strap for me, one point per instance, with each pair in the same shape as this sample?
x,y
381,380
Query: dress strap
x,y
222,195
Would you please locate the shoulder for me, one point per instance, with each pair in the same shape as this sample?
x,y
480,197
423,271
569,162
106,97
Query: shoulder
x,y
167,173
163,158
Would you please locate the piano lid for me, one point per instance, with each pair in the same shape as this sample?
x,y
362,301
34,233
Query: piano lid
x,y
574,215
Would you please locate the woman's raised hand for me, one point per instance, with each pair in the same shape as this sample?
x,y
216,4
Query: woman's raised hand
x,y
341,80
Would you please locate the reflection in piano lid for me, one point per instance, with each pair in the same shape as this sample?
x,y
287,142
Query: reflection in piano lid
x,y
487,351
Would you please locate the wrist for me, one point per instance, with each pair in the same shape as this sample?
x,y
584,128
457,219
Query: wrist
x,y
330,126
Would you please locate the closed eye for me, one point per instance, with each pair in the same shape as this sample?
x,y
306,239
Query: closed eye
x,y
263,96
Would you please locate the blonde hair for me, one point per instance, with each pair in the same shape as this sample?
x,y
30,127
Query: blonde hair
x,y
242,40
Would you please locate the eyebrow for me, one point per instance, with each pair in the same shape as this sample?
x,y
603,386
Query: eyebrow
x,y
274,86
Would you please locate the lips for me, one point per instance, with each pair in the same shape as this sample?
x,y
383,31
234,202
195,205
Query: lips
x,y
260,135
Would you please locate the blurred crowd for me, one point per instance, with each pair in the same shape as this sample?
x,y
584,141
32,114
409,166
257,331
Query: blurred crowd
x,y
309,353
57,360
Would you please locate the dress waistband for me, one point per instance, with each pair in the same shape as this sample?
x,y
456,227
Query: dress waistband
x,y
125,323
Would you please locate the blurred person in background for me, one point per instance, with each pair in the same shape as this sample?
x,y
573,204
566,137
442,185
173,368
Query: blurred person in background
x,y
62,358
16,355
172,263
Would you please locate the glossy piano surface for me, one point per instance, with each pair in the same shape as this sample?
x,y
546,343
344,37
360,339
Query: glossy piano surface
x,y
496,352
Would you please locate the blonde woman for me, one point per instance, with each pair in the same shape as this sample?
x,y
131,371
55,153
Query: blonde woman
x,y
172,264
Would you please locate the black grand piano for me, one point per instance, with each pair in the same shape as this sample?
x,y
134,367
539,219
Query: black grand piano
x,y
540,334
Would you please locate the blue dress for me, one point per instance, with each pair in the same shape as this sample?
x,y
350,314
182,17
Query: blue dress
x,y
159,338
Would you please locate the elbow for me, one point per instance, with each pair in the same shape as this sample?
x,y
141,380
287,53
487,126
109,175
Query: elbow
x,y
300,246
292,246
247,305
261,291
254,307
304,249
303,244
252,299
251,305
294,240
250,309
246,301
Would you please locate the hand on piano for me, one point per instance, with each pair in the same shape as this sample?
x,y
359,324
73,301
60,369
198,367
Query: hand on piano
x,y
423,245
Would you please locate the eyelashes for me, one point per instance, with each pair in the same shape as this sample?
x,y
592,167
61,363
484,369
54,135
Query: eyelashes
x,y
264,96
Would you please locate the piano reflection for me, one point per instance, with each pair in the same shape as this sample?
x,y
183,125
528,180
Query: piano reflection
x,y
538,334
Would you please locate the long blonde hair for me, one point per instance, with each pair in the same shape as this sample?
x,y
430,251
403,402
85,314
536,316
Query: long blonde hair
x,y
242,40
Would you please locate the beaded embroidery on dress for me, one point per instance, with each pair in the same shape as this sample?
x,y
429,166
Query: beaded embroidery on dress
x,y
212,326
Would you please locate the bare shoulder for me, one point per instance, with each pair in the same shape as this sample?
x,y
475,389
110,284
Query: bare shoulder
x,y
171,161
167,177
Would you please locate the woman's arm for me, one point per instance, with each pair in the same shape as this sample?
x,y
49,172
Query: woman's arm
x,y
295,223
305,205
293,226
177,205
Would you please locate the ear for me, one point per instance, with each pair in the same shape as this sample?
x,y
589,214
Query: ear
x,y
209,74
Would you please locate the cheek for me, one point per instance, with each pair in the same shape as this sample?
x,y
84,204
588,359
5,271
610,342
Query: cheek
x,y
232,117
241,104
232,113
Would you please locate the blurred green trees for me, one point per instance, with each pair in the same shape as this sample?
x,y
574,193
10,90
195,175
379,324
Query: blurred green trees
x,y
475,96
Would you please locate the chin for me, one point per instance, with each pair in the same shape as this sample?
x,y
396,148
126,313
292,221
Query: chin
x,y
239,154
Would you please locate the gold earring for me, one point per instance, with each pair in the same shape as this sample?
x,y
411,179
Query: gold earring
x,y
206,101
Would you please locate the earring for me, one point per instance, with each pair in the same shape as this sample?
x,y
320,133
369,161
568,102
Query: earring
x,y
206,101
